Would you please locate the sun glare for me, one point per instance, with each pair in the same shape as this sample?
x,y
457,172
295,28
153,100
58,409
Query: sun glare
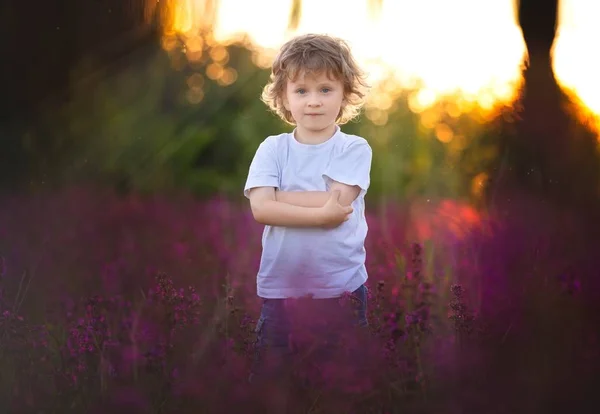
x,y
466,51
576,65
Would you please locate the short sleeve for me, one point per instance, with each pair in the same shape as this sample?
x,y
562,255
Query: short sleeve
x,y
351,167
263,171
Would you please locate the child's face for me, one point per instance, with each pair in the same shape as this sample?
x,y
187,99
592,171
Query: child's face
x,y
315,102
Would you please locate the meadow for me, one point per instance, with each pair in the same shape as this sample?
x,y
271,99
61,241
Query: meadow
x,y
147,304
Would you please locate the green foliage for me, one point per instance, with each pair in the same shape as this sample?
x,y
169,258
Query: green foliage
x,y
132,126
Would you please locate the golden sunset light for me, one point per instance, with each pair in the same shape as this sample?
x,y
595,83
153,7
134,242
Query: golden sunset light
x,y
466,50
576,64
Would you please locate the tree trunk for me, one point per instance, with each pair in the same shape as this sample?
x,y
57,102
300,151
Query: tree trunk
x,y
550,155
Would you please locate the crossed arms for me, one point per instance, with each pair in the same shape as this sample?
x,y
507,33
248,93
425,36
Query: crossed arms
x,y
327,209
303,208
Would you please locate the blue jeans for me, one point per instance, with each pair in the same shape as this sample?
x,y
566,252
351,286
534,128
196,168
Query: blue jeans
x,y
275,328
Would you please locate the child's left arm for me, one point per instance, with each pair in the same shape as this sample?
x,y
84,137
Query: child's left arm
x,y
349,173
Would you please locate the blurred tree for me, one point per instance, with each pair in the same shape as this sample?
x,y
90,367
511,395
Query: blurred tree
x,y
547,152
39,46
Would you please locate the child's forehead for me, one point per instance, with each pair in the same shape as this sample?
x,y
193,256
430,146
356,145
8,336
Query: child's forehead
x,y
320,76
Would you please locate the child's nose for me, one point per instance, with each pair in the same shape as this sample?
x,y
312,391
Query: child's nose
x,y
314,102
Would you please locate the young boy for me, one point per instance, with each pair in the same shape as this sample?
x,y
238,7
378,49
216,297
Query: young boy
x,y
308,186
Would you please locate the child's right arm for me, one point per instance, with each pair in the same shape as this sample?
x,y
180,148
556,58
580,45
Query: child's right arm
x,y
266,210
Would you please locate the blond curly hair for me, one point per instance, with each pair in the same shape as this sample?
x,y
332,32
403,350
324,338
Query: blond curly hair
x,y
311,54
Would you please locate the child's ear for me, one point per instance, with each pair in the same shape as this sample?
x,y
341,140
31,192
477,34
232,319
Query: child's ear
x,y
286,104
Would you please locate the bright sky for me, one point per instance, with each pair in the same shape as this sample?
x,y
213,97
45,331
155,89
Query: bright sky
x,y
466,46
576,58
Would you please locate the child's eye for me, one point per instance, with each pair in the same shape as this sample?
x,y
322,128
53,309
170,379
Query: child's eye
x,y
300,91
325,90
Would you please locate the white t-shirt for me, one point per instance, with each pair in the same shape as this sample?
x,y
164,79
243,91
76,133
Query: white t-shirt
x,y
321,262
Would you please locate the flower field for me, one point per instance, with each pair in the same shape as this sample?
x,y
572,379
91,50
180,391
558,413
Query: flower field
x,y
148,305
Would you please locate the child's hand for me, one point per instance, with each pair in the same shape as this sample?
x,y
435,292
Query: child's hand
x,y
333,213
